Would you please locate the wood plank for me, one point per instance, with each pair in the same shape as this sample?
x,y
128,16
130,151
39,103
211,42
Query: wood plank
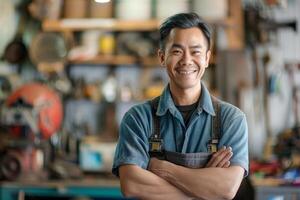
x,y
113,24
124,60
87,182
107,59
102,24
118,60
235,33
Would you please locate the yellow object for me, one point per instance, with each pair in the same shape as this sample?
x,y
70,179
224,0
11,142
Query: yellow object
x,y
107,44
153,91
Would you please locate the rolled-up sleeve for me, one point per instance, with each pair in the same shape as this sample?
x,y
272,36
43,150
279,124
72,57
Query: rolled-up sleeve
x,y
132,147
235,135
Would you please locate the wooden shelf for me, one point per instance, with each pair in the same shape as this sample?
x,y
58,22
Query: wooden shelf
x,y
102,24
117,60
123,60
114,24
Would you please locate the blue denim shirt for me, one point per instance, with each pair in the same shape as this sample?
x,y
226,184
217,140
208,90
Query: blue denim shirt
x,y
136,129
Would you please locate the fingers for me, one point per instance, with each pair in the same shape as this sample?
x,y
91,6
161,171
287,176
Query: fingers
x,y
227,164
211,162
220,158
225,159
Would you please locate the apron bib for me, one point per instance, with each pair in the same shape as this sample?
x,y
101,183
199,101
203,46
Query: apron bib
x,y
190,160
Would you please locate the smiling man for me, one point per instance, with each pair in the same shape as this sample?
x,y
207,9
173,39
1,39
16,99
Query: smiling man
x,y
184,144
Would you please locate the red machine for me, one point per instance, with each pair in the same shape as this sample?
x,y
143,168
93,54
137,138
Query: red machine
x,y
36,106
31,114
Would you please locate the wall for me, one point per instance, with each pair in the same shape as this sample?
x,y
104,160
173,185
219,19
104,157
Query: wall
x,y
284,48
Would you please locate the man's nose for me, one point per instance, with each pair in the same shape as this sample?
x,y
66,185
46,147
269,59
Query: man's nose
x,y
186,59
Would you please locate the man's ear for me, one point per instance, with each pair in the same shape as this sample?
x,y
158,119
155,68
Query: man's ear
x,y
208,54
161,56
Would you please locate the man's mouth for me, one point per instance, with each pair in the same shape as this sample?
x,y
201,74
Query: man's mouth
x,y
186,72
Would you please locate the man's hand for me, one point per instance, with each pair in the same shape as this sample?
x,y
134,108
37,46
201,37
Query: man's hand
x,y
156,164
221,158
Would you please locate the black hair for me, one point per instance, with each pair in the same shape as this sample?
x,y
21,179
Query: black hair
x,y
183,20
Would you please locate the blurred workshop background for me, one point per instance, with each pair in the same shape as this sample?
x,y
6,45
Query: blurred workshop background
x,y
70,69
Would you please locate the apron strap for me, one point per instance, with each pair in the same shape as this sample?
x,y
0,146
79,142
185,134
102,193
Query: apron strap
x,y
216,125
155,121
156,143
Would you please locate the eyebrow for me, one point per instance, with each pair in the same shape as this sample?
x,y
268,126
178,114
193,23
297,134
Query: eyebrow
x,y
176,46
198,46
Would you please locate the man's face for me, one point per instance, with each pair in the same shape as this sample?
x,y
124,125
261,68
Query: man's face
x,y
185,58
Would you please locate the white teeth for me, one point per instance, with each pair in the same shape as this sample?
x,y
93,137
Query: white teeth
x,y
186,72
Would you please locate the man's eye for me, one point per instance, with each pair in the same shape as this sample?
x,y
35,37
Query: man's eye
x,y
197,52
176,52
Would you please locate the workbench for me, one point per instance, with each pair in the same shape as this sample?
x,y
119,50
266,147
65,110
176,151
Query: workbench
x,y
93,188
277,193
274,189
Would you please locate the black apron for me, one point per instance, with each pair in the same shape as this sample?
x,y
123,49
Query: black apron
x,y
190,160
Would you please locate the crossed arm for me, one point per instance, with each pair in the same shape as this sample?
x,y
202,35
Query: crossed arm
x,y
143,184
206,183
165,180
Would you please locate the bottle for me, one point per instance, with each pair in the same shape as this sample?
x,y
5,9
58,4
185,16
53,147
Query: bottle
x,y
109,87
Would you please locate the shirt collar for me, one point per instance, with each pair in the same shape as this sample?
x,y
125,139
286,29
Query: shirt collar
x,y
205,101
166,102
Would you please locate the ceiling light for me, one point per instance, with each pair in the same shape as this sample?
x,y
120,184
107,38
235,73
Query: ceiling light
x,y
102,1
